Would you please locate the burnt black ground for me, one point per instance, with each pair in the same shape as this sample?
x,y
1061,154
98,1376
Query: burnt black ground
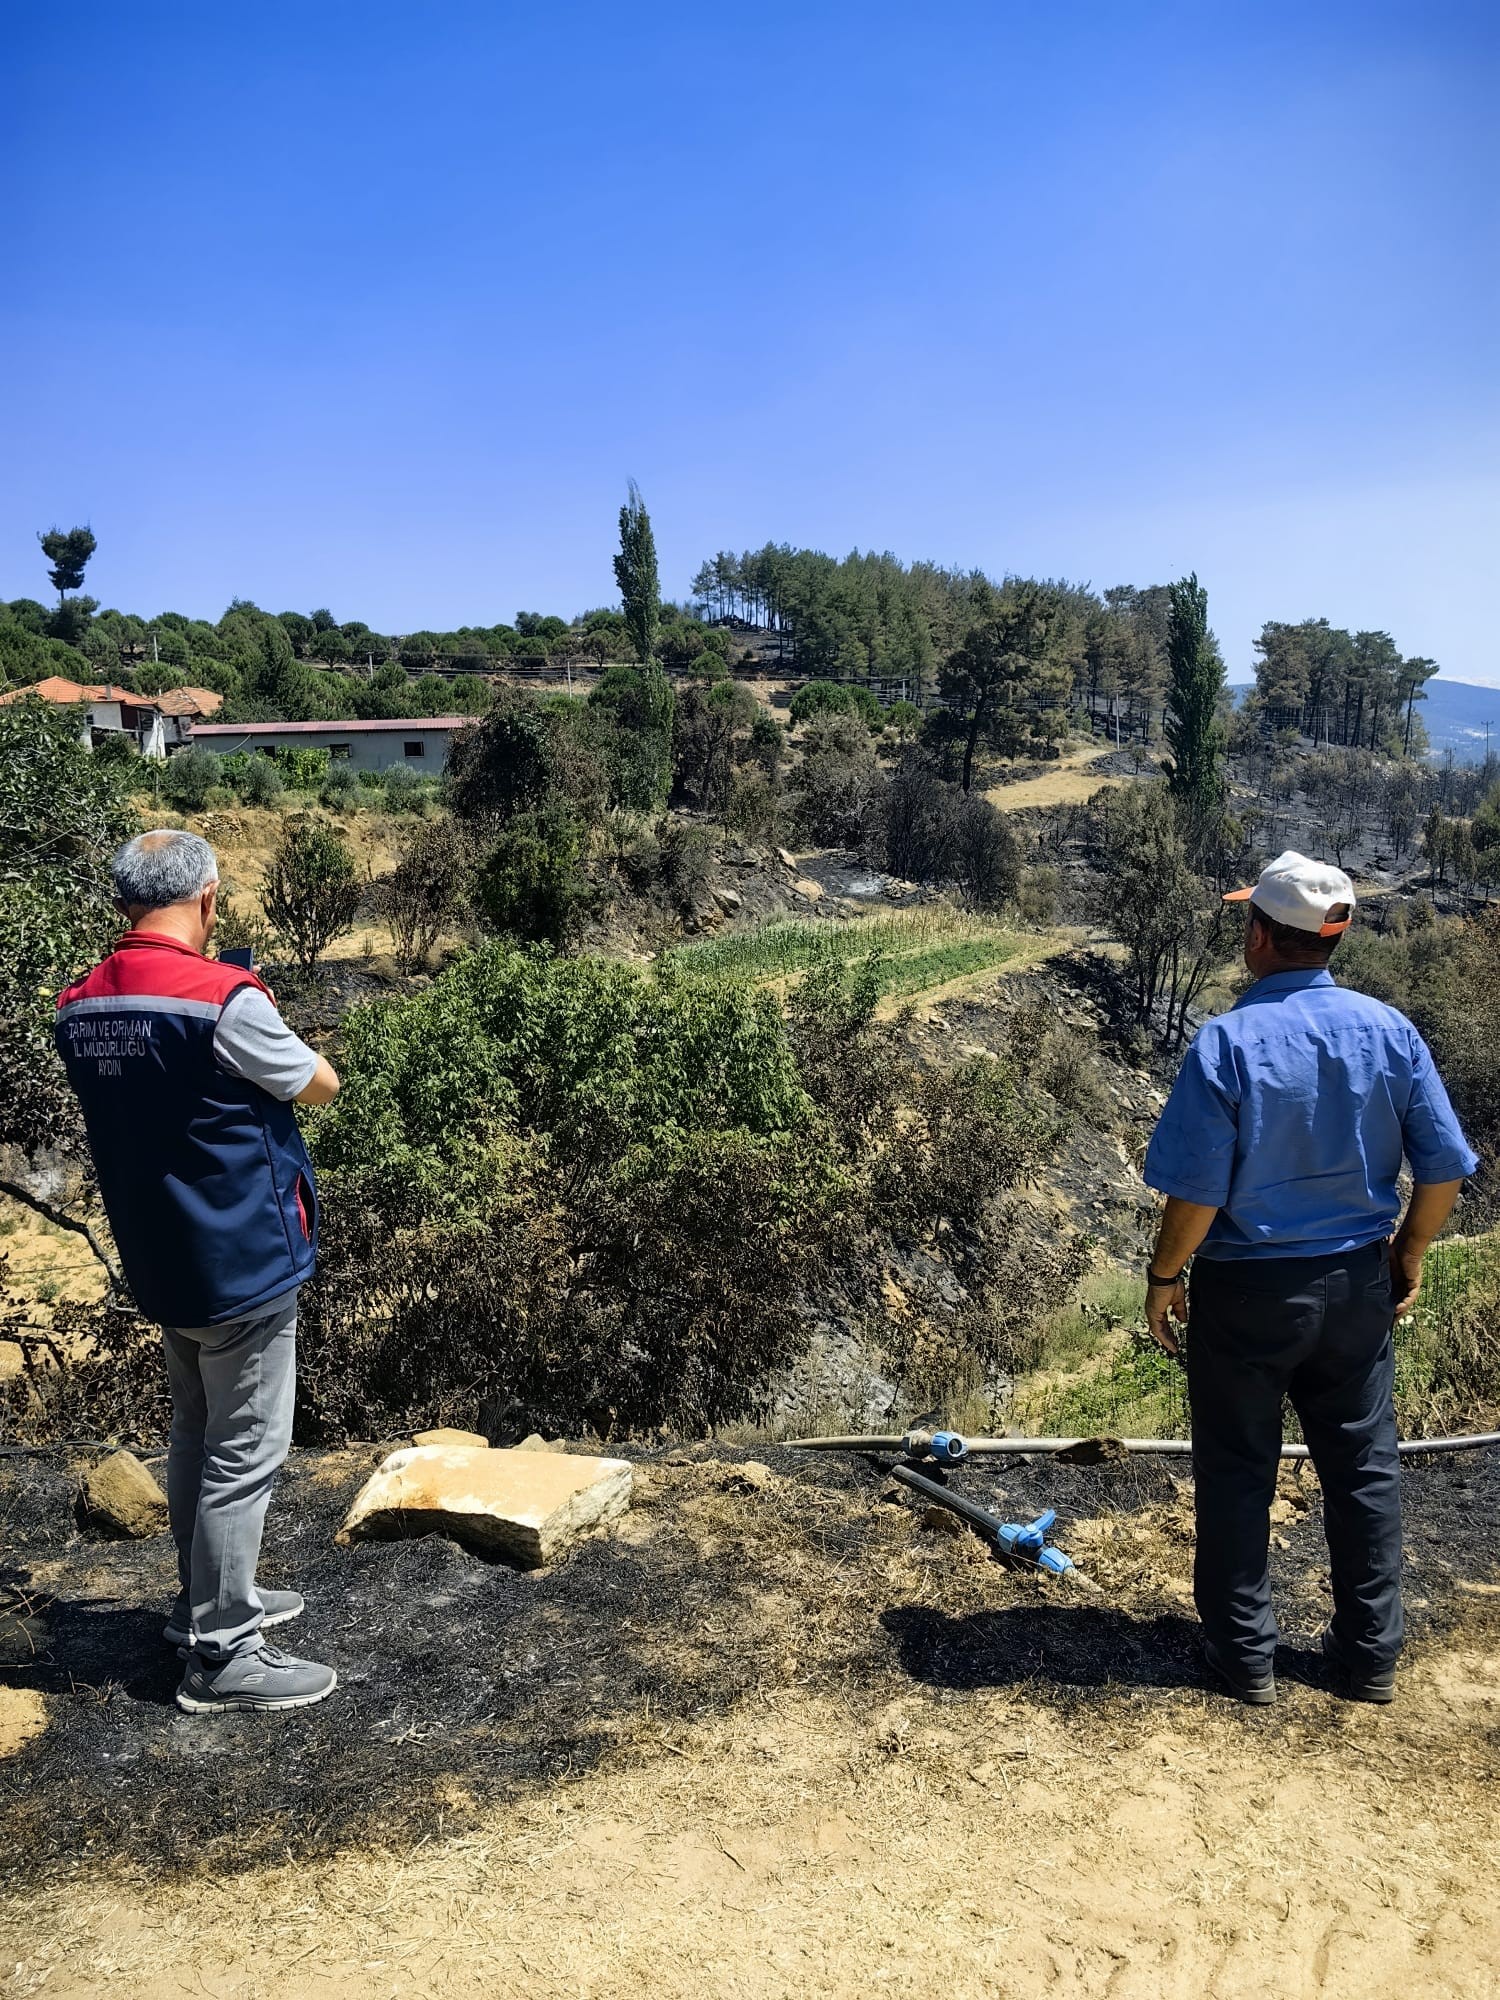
x,y
463,1681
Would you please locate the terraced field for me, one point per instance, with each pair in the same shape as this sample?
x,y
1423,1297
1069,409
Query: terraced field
x,y
917,953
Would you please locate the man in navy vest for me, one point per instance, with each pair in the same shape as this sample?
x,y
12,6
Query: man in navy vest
x,y
187,1076
1279,1152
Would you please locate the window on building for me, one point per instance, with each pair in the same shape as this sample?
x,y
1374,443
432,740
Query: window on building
x,y
265,749
414,749
336,751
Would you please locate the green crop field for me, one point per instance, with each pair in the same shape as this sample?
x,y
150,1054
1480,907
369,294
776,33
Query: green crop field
x,y
914,953
1447,1361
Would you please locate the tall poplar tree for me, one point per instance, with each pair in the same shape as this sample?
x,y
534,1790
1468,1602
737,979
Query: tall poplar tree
x,y
1195,682
640,596
635,573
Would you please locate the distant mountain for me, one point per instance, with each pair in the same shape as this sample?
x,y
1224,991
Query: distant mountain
x,y
1455,713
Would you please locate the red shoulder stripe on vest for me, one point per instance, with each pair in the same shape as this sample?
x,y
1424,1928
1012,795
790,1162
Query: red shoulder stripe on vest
x,y
141,965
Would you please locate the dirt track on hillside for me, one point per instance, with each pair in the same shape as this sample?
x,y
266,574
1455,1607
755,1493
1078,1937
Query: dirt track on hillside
x,y
760,1742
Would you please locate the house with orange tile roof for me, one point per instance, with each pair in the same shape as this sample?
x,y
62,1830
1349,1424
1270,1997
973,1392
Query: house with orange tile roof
x,y
159,723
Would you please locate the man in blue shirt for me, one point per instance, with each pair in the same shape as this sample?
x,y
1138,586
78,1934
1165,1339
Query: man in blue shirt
x,y
1279,1152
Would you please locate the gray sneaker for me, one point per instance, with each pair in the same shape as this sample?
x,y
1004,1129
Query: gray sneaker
x,y
264,1679
280,1605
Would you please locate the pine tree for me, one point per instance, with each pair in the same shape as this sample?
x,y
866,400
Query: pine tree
x,y
1194,731
68,553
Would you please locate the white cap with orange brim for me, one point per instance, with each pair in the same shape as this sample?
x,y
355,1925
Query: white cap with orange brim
x,y
1307,895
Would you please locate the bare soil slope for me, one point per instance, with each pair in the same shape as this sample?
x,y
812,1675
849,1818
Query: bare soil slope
x,y
761,1738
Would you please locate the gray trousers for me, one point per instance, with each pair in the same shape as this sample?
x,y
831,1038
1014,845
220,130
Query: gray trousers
x,y
233,1388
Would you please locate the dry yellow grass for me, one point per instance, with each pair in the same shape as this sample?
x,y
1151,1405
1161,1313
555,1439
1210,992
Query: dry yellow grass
x,y
1070,781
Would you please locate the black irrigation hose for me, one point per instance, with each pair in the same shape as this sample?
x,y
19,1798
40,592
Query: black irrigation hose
x,y
1166,1447
942,1496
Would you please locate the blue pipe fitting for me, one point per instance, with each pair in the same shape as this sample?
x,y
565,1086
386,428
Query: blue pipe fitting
x,y
1026,1541
947,1447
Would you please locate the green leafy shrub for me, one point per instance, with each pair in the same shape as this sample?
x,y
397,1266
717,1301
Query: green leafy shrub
x,y
1448,1351
815,698
303,766
189,777
118,747
531,884
403,790
340,790
754,808
569,1187
261,782
311,893
63,812
1037,894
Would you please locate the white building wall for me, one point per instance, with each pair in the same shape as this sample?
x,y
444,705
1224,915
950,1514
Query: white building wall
x,y
421,750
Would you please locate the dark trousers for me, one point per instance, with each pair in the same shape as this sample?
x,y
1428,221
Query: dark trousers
x,y
1316,1330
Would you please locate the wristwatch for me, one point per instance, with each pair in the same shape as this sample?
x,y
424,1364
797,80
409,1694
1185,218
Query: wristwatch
x,y
1153,1279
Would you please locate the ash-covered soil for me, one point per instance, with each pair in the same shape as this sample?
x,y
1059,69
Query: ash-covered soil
x,y
465,1684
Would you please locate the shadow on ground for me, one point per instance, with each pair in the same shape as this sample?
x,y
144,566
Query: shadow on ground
x,y
463,1682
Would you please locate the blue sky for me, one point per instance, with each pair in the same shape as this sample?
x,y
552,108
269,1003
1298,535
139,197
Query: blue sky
x,y
379,306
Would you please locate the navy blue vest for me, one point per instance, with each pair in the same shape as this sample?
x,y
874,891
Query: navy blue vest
x,y
205,1178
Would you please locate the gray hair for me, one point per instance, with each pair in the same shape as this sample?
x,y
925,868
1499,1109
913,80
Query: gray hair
x,y
161,868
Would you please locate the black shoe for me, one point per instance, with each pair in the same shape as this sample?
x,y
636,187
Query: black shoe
x,y
1357,1683
1255,1690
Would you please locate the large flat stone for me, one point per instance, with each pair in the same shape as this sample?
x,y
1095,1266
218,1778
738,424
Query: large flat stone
x,y
527,1505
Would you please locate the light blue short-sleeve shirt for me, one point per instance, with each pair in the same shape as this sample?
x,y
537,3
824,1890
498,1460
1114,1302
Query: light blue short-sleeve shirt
x,y
1290,1115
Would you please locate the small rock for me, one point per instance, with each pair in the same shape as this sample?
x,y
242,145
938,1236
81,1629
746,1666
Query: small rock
x,y
536,1442
891,1728
443,1435
1094,1451
941,1522
786,860
751,1477
119,1497
729,899
810,892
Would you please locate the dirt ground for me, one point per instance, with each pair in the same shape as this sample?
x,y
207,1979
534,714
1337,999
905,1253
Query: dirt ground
x,y
766,1736
1072,779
